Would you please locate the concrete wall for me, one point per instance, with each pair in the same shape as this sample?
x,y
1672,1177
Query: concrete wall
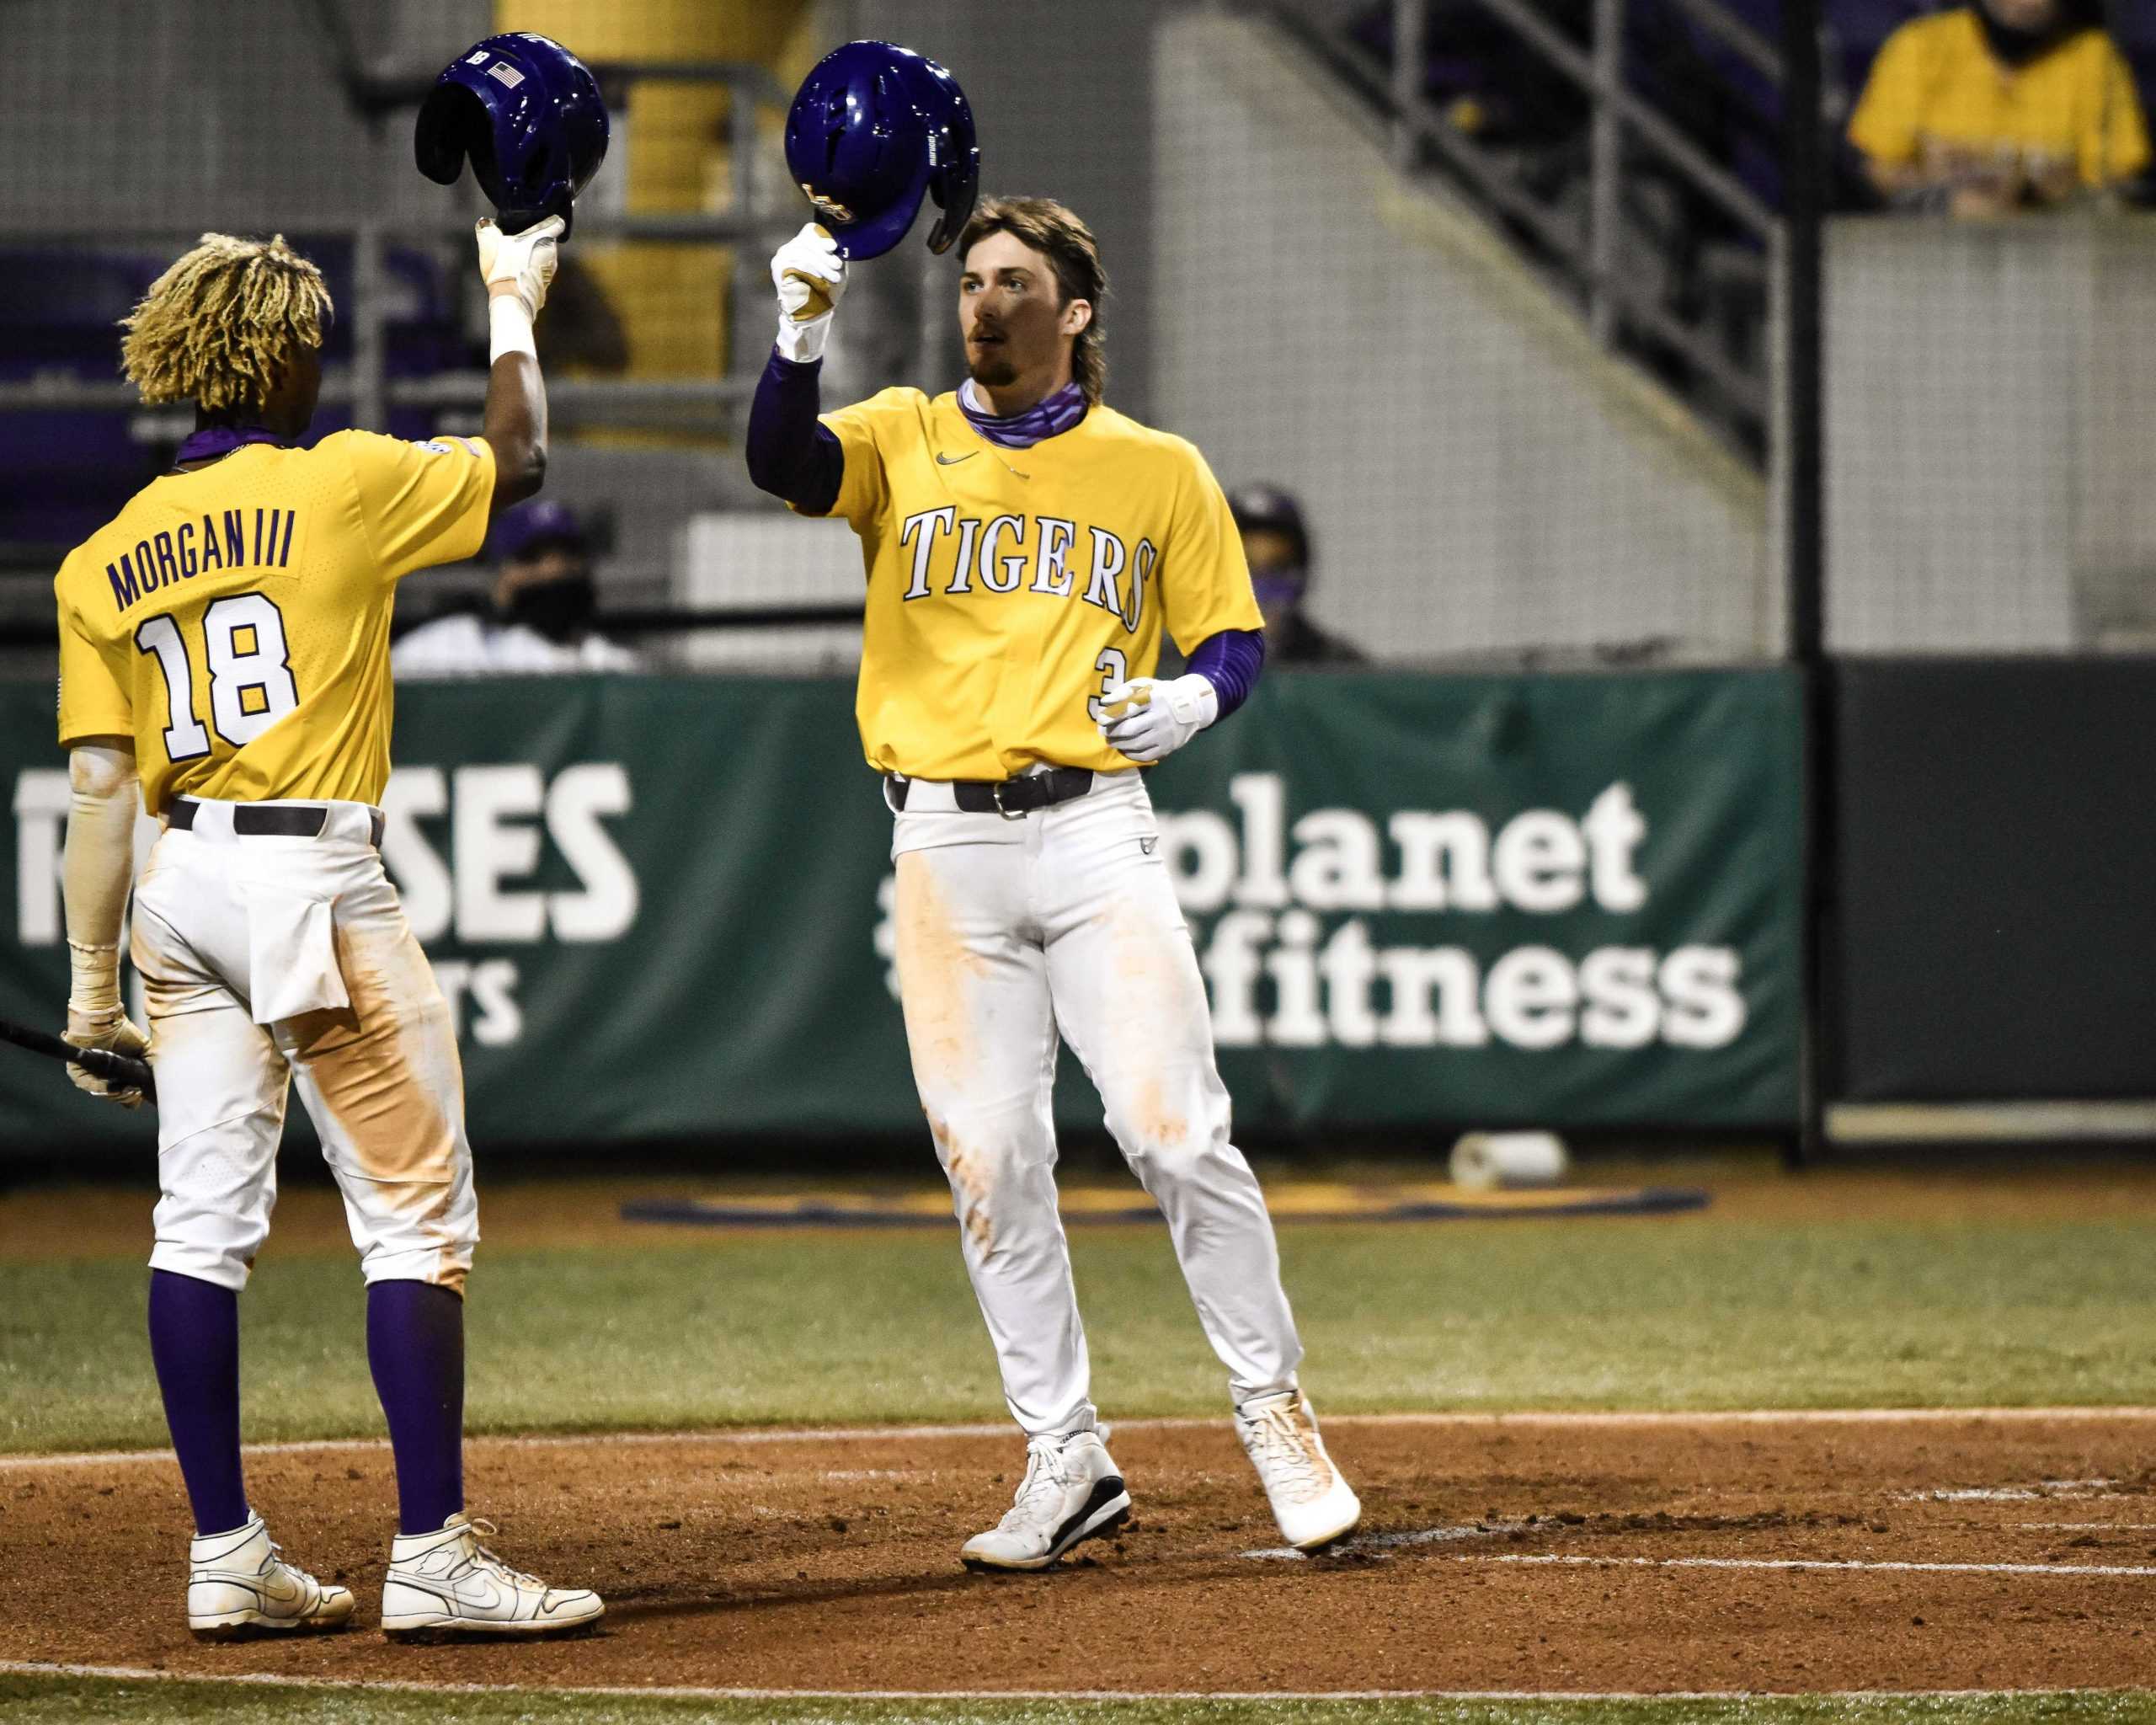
x,y
1478,478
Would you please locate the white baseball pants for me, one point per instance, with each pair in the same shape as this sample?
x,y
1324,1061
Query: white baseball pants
x,y
1008,931
268,958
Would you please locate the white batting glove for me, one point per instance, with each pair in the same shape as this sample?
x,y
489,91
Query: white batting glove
x,y
1172,713
106,1028
810,277
520,264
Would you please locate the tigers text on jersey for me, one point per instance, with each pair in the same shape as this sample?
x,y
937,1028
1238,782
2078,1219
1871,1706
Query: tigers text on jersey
x,y
234,619
1008,587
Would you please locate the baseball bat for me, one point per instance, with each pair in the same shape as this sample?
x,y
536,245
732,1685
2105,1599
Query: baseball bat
x,y
124,1070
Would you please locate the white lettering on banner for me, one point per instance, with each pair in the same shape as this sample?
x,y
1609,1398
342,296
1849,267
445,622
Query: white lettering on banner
x,y
1539,860
1289,964
577,800
1349,965
490,986
1262,797
488,849
491,848
1444,862
1298,1020
1436,998
495,815
1336,866
1705,1009
1201,853
1623,1010
1529,997
40,808
423,879
1614,830
1232,966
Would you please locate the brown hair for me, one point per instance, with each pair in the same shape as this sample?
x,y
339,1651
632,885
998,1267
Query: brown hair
x,y
1073,253
217,327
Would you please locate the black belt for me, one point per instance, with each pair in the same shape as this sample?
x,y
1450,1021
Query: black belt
x,y
1009,796
251,820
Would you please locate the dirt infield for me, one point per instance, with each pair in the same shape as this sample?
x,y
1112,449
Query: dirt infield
x,y
1532,1553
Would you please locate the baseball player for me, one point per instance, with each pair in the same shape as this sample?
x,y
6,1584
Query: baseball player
x,y
1027,548
224,646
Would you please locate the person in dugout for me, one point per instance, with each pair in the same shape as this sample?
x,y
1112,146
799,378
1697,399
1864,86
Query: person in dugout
x,y
1277,546
539,619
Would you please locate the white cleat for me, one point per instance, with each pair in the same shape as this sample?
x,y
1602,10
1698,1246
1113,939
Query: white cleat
x,y
238,1585
447,1583
1071,1492
1311,1501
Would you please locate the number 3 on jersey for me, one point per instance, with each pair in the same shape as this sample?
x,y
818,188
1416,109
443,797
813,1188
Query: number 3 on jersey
x,y
1114,668
251,684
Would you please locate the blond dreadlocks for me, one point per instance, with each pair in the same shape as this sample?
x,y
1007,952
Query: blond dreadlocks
x,y
218,326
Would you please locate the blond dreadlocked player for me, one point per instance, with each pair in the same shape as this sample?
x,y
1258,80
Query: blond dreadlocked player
x,y
224,643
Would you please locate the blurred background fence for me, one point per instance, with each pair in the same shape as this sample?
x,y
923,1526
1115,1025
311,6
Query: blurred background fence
x,y
1501,290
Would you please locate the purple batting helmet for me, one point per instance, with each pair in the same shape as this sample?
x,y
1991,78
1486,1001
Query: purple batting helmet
x,y
529,115
873,130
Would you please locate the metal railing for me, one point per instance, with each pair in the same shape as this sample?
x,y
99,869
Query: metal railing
x,y
1619,120
759,214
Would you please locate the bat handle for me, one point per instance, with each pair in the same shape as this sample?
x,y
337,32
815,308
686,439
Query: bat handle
x,y
124,1070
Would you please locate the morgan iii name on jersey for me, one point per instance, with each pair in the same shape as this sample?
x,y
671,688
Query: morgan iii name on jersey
x,y
234,619
1008,587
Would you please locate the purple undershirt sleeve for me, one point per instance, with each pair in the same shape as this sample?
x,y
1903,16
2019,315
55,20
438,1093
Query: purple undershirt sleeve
x,y
790,455
1230,661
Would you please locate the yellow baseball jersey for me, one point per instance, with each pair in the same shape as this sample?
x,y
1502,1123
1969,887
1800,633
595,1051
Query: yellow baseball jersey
x,y
1937,86
234,620
1008,587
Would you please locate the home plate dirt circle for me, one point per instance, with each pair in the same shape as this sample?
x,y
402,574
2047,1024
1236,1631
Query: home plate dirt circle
x,y
1564,1554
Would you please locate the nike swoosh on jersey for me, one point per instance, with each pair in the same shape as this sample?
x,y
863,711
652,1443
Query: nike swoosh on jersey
x,y
951,461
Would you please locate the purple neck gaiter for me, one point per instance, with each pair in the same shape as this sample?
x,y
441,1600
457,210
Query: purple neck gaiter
x,y
222,439
1049,417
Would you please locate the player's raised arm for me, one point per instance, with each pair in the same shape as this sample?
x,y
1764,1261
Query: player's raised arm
x,y
518,269
790,454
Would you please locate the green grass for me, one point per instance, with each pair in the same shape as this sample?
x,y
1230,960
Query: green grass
x,y
41,1700
816,1328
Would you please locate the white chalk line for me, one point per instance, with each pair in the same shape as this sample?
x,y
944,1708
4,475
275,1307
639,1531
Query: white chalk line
x,y
133,1673
1882,1566
1452,1536
1555,1420
1380,1542
2015,1494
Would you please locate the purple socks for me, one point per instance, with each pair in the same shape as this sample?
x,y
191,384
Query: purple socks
x,y
194,1345
415,1347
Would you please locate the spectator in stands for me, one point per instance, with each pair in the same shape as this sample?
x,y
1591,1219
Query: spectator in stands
x,y
540,616
2000,106
1277,547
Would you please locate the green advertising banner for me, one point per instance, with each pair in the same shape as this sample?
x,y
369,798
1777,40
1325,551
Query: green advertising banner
x,y
659,906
